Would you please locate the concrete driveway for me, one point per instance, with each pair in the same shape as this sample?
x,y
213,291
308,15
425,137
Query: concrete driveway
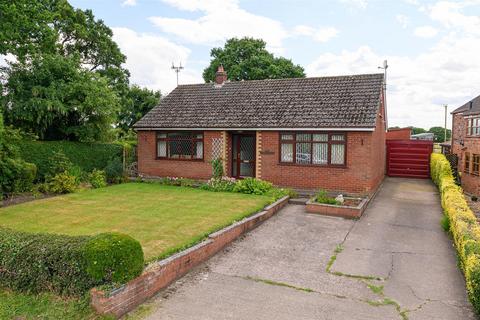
x,y
394,263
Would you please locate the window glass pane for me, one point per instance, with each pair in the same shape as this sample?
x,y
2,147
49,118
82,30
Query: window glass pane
x,y
337,154
286,152
199,154
161,135
304,137
180,149
199,136
320,153
287,136
161,148
338,137
303,152
320,137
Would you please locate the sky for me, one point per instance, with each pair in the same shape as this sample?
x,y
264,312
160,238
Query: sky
x,y
432,47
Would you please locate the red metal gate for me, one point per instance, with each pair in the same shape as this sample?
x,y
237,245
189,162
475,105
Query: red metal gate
x,y
409,158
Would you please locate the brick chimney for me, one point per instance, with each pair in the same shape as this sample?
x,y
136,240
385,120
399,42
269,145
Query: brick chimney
x,y
220,75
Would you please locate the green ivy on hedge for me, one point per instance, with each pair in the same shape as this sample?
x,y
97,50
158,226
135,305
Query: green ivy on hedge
x,y
87,156
68,265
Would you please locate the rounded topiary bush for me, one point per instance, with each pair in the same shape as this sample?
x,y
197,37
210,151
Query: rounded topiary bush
x,y
113,257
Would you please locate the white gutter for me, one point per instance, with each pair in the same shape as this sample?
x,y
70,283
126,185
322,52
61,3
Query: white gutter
x,y
257,129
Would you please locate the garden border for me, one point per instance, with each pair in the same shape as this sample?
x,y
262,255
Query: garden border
x,y
160,274
349,212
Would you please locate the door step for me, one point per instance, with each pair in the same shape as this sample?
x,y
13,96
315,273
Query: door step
x,y
299,201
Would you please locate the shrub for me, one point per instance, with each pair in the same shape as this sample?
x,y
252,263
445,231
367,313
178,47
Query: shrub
x,y
58,162
16,175
62,183
36,262
252,186
322,197
114,257
223,184
462,224
97,179
217,169
114,171
87,156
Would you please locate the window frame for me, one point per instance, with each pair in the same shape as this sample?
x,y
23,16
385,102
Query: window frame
x,y
475,163
470,127
329,143
466,164
167,140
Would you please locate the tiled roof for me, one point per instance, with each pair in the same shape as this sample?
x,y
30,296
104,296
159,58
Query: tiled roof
x,y
466,109
336,102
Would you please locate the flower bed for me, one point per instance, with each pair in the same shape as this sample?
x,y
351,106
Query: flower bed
x,y
352,208
463,225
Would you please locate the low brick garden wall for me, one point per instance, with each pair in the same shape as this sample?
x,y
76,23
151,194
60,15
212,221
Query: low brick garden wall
x,y
337,210
160,274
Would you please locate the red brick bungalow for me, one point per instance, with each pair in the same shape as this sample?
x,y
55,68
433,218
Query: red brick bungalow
x,y
466,144
305,133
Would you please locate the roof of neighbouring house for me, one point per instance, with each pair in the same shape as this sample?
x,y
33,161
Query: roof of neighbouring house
x,y
331,102
466,109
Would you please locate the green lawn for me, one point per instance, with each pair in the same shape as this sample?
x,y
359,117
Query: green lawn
x,y
162,218
45,306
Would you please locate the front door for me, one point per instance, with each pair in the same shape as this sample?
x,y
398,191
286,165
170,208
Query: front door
x,y
243,155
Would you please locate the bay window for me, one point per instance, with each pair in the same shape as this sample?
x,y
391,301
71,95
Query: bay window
x,y
180,145
313,148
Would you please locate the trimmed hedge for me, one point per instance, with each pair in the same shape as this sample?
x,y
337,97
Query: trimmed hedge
x,y
463,225
87,156
68,265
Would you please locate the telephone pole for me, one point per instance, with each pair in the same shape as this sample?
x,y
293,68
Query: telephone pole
x,y
446,106
177,69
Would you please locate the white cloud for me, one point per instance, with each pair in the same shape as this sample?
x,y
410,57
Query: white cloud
x,y
322,34
129,3
221,20
149,58
449,15
403,20
361,4
449,72
425,32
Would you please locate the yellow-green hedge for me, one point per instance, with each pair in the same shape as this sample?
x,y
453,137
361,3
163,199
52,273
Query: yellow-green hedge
x,y
463,225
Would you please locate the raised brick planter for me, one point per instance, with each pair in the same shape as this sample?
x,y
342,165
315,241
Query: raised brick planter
x,y
337,211
159,275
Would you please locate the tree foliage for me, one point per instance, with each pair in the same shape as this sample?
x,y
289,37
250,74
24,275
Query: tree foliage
x,y
138,101
416,130
248,59
53,98
439,134
66,81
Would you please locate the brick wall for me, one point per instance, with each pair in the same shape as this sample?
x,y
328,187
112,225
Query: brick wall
x,y
470,183
150,166
399,134
363,173
356,178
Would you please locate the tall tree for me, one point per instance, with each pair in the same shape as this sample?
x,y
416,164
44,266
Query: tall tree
x,y
138,102
67,79
439,134
53,98
248,59
416,130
